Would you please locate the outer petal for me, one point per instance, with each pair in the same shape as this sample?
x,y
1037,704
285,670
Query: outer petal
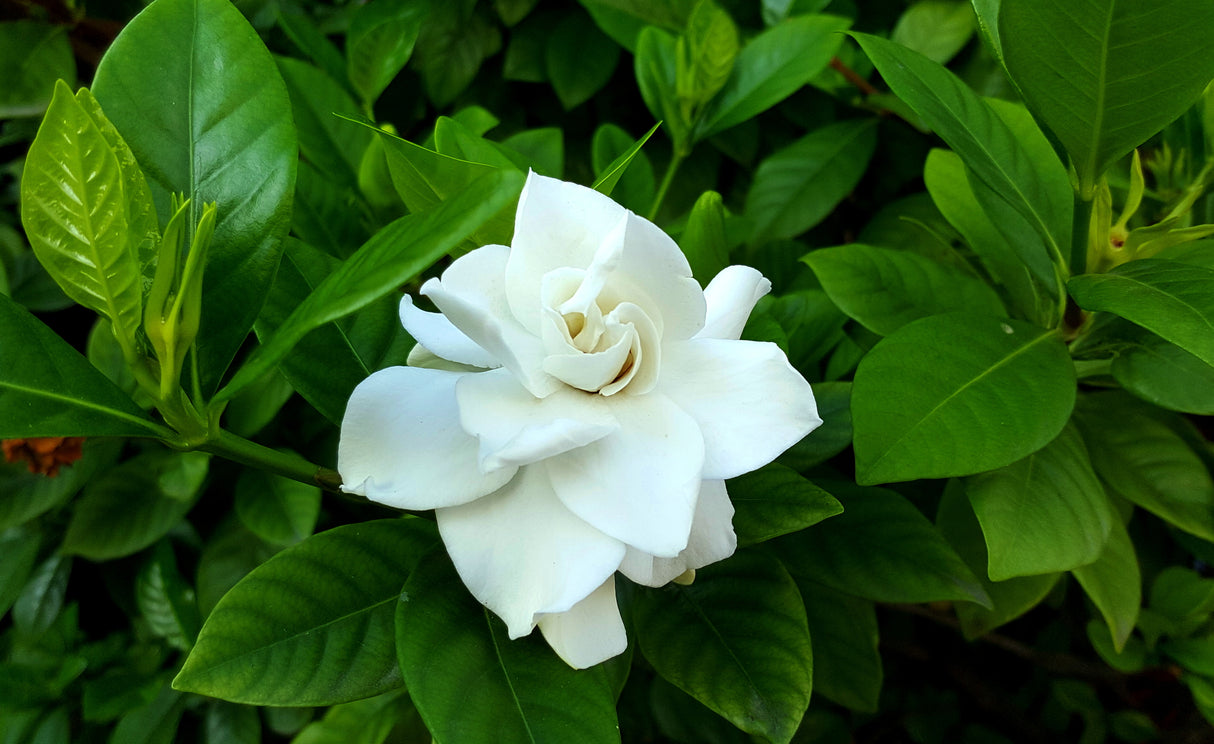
x,y
436,334
521,552
471,295
402,444
712,539
516,428
731,295
750,403
561,224
589,633
639,484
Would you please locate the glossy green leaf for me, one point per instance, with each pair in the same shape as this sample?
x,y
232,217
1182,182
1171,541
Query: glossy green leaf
x,y
579,59
847,664
1114,584
1129,69
276,509
87,211
18,553
1045,513
776,500
1010,598
330,144
1142,459
455,140
880,548
380,266
937,29
705,57
1166,375
771,67
542,150
624,20
450,647
134,504
798,186
201,103
703,240
165,600
610,173
312,625
39,603
48,389
958,394
737,640
655,65
1170,298
982,138
379,43
33,56
884,289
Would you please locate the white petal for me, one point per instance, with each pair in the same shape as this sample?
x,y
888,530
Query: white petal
x,y
516,428
712,539
420,356
640,483
436,334
561,224
471,294
589,633
521,552
402,444
731,295
750,403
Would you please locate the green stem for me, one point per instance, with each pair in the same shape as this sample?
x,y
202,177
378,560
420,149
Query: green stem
x,y
288,465
1080,228
676,159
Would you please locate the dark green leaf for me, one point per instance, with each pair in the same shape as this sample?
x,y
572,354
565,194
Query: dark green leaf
x,y
18,552
453,43
33,55
543,150
367,721
624,20
31,494
579,59
379,43
38,604
307,36
1166,375
154,723
450,647
227,723
276,509
775,500
736,640
958,394
330,144
847,664
828,440
1114,584
228,556
880,548
610,173
312,625
165,600
196,94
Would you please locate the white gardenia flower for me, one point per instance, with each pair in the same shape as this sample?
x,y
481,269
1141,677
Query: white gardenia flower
x,y
573,411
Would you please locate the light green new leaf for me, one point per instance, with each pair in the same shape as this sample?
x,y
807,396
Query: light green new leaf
x,y
314,624
1142,459
1170,298
776,500
937,29
1043,514
380,266
87,212
771,67
884,289
1114,584
201,104
880,548
958,394
131,506
737,640
379,43
1105,75
847,663
705,55
47,389
472,683
798,186
33,56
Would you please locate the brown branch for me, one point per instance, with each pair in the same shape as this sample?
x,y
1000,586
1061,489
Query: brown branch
x,y
853,77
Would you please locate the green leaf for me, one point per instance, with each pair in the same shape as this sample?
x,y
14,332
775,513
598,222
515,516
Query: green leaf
x,y
771,67
833,436
306,35
1106,75
1114,584
1142,459
18,553
153,723
703,240
330,144
799,185
542,149
367,721
880,548
379,43
380,266
958,394
276,509
579,59
30,494
937,29
165,600
847,664
227,557
884,289
737,640
1009,599
38,604
655,65
983,139
449,645
1166,375
455,140
611,173
87,212
705,57
133,505
48,389
1045,513
1170,298
453,43
33,56
776,500
227,723
201,103
312,625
